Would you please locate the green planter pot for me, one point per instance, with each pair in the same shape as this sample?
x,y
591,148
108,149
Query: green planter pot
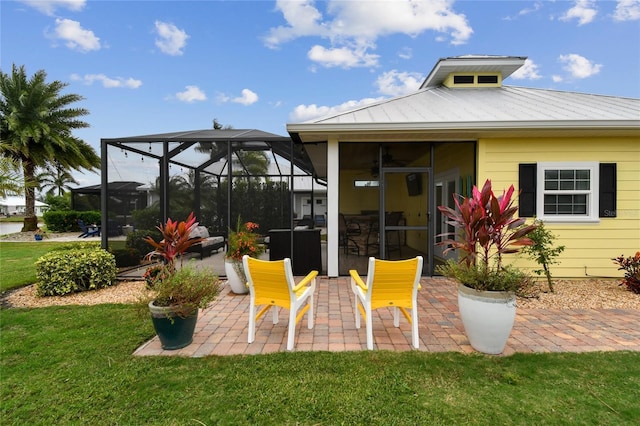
x,y
174,332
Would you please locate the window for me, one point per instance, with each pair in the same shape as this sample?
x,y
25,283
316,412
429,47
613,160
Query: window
x,y
572,195
365,183
568,192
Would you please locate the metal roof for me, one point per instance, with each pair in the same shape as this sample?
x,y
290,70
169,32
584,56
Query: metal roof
x,y
455,109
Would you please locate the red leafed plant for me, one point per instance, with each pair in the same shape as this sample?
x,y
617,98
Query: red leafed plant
x,y
175,240
488,229
631,267
244,240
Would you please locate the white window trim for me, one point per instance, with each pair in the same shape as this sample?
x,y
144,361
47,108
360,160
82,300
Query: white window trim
x,y
593,195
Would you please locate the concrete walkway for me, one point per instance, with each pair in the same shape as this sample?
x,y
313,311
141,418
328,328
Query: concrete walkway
x,y
222,327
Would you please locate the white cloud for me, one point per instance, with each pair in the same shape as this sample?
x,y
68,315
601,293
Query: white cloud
x,y
344,57
76,37
396,83
309,112
405,53
583,10
191,94
529,71
48,7
352,27
556,78
627,10
536,6
579,66
172,40
247,97
108,82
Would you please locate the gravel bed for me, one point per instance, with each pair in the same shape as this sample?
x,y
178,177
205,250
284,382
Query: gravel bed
x,y
569,294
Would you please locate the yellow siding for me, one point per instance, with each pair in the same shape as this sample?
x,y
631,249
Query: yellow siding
x,y
589,246
451,155
353,200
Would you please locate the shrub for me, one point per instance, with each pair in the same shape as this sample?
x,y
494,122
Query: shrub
x,y
135,240
185,290
84,245
67,221
68,271
126,257
147,218
543,251
631,268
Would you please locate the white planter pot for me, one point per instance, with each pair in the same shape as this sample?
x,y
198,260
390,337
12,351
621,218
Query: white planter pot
x,y
236,283
488,318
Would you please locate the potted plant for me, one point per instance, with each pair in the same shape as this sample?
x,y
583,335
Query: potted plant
x,y
178,293
487,230
244,240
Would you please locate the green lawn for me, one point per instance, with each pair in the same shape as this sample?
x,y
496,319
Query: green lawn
x,y
17,262
73,365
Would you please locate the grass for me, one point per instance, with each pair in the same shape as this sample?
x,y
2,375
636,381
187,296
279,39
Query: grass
x,y
17,262
74,365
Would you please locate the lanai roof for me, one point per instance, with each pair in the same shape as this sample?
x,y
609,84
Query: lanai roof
x,y
249,139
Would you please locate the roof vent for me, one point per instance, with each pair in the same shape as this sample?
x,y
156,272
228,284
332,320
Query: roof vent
x,y
473,80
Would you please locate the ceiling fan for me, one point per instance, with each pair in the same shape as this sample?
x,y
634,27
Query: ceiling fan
x,y
387,160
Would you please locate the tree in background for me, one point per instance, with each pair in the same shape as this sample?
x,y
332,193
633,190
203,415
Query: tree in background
x,y
56,178
11,182
36,124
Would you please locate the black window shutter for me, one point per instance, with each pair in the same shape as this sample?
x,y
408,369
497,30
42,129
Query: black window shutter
x,y
608,190
527,177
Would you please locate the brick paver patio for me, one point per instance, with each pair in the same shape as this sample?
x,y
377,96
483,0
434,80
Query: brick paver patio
x,y
222,328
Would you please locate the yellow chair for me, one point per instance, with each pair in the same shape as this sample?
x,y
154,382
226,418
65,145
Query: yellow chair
x,y
390,284
271,283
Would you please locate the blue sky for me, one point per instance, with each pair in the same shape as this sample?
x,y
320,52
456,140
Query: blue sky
x,y
160,66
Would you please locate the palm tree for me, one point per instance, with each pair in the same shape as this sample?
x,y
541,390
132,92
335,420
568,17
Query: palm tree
x,y
10,177
36,125
57,179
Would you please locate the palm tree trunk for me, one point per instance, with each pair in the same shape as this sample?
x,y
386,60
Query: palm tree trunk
x,y
30,218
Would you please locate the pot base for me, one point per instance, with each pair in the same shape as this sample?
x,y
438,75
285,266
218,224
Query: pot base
x,y
488,318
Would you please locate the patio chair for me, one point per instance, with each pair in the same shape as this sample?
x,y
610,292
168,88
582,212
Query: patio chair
x,y
88,231
271,284
390,284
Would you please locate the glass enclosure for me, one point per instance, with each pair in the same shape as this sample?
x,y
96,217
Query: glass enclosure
x,y
223,176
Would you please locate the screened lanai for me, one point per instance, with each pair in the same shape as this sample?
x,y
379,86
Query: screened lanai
x,y
219,174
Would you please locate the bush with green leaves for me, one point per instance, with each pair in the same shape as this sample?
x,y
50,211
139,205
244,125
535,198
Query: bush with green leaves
x,y
69,271
67,220
126,257
135,240
543,251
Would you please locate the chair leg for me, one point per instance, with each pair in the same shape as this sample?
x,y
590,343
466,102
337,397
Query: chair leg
x,y
274,313
396,317
252,323
291,334
369,321
414,327
357,311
